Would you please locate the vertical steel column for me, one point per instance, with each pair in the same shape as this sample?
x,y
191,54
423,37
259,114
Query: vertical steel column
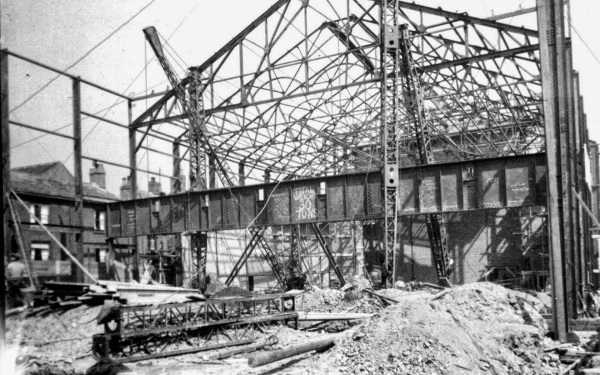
x,y
242,173
572,154
4,112
556,234
197,153
563,118
132,154
77,154
135,270
212,172
390,81
176,180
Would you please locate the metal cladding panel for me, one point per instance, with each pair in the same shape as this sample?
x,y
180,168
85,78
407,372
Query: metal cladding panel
x,y
155,222
278,206
408,191
322,207
335,200
178,213
355,198
194,212
304,203
247,207
429,191
520,183
166,217
114,220
451,188
128,219
374,198
231,207
142,217
490,184
469,187
215,210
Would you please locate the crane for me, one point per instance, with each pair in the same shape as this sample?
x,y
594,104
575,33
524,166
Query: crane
x,y
413,102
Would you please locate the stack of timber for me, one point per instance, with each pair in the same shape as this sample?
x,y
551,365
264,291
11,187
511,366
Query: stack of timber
x,y
127,293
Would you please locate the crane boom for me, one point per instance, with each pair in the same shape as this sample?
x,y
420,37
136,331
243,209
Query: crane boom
x,y
197,132
413,101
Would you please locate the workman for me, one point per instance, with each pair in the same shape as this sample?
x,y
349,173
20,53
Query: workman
x,y
15,279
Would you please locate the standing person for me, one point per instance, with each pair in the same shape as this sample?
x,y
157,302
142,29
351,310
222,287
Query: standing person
x,y
149,276
15,276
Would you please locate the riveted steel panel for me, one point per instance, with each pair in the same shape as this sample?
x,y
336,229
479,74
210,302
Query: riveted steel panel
x,y
155,222
215,210
373,195
128,219
429,191
469,189
231,210
541,175
304,203
114,220
408,189
520,183
335,200
247,206
166,217
178,213
142,217
278,206
322,207
194,212
451,188
490,184
355,198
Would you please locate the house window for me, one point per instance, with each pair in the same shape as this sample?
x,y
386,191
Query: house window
x,y
100,255
63,241
99,220
39,211
40,251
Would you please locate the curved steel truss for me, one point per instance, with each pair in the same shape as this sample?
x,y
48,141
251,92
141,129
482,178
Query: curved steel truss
x,y
298,91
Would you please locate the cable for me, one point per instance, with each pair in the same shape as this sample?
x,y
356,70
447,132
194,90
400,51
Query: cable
x,y
81,58
132,82
584,42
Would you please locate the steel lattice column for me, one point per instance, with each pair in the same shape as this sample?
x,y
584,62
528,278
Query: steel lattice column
x,y
390,82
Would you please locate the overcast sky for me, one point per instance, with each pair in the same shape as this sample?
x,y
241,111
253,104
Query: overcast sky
x,y
59,32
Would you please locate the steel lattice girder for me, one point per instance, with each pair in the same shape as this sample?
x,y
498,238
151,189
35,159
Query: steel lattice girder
x,y
298,90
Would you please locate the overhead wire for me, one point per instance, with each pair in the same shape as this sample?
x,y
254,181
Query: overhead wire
x,y
82,57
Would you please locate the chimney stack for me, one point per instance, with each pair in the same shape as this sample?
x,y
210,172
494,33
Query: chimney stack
x,y
154,186
98,175
125,189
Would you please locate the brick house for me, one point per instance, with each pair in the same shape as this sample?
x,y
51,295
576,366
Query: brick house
x,y
49,191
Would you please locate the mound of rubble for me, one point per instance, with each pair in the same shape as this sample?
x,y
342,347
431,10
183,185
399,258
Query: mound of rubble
x,y
477,328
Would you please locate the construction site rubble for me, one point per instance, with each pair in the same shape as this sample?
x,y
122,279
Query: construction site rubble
x,y
472,329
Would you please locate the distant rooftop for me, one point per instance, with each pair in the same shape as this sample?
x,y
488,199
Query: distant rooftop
x,y
54,180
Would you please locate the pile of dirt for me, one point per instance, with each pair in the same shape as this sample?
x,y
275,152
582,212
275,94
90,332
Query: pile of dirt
x,y
351,299
477,328
55,342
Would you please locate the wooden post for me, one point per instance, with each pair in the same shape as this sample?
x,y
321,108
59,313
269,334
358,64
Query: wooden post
x,y
77,155
4,112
